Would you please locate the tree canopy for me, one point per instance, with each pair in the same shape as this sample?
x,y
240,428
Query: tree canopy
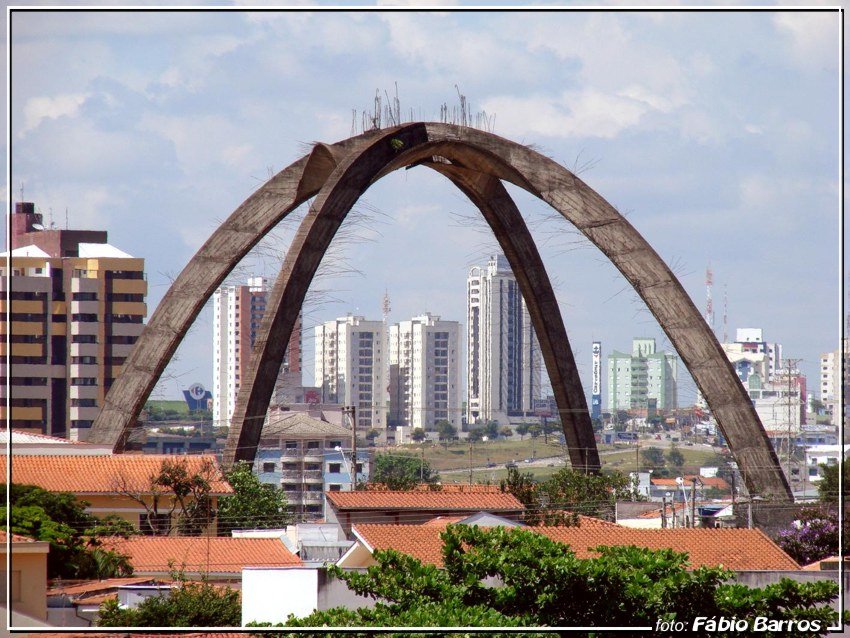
x,y
74,534
401,472
543,583
253,505
186,605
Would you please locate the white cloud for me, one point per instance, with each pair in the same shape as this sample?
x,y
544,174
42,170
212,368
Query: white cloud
x,y
37,109
588,113
813,37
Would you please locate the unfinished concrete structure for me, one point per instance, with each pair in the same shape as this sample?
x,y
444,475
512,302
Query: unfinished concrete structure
x,y
476,162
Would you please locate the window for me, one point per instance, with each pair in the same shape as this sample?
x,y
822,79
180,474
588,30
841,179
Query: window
x,y
335,487
155,524
334,468
268,467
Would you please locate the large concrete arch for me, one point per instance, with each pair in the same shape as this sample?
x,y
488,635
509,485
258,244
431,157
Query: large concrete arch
x,y
309,247
484,153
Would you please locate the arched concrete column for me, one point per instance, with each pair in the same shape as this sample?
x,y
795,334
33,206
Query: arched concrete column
x,y
196,283
311,243
588,211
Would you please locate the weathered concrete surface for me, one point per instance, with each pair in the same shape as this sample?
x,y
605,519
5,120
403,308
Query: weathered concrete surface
x,y
309,246
502,159
199,279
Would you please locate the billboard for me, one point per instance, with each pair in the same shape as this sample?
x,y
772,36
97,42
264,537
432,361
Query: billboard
x,y
596,394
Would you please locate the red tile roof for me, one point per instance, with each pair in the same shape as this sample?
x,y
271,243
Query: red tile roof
x,y
91,587
151,554
16,538
737,549
104,474
445,488
422,500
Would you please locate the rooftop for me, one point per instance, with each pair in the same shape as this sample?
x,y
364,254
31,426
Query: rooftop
x,y
422,500
736,549
92,251
104,474
298,424
152,554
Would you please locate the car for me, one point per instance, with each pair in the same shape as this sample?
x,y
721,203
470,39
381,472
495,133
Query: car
x,y
527,461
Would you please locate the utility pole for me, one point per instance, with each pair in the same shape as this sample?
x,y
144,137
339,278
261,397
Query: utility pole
x,y
693,501
351,412
470,461
664,512
790,364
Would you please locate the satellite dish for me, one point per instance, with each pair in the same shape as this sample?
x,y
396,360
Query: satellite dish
x,y
38,227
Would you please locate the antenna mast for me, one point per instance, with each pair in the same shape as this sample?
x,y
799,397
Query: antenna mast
x,y
386,305
725,317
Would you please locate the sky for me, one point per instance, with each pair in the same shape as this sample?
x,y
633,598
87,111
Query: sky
x,y
716,134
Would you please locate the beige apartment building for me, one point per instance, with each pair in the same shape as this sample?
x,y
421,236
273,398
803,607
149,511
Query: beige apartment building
x,y
76,308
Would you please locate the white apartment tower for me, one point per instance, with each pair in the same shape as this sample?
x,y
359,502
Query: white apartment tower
x,y
425,372
504,359
237,313
351,367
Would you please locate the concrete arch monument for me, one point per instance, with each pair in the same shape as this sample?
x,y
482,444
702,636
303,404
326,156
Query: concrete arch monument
x,y
476,161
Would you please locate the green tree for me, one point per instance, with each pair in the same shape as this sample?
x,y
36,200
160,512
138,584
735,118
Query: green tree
x,y
522,430
588,494
652,457
506,432
543,583
828,486
401,472
476,435
528,492
676,458
446,431
371,435
74,534
186,605
253,505
418,435
535,430
549,427
491,430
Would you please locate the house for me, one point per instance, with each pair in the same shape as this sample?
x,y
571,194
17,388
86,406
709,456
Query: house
x,y
661,487
119,484
735,549
27,576
24,442
219,558
77,604
306,456
414,507
817,455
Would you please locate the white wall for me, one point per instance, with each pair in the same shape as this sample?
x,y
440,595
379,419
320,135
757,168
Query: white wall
x,y
270,595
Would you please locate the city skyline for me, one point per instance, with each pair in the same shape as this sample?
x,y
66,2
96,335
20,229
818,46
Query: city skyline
x,y
721,147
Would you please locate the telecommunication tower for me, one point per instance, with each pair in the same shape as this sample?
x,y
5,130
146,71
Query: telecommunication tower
x,y
386,305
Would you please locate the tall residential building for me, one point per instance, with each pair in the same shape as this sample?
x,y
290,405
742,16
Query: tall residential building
x,y
831,379
237,313
503,354
425,372
77,308
642,380
351,368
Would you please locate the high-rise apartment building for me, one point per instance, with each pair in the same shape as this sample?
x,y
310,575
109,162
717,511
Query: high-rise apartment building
x,y
351,368
77,308
831,379
237,313
503,354
644,379
424,362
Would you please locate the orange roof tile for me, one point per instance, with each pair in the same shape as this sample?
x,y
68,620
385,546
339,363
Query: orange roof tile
x,y
16,538
91,587
416,500
445,488
103,474
151,554
737,549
